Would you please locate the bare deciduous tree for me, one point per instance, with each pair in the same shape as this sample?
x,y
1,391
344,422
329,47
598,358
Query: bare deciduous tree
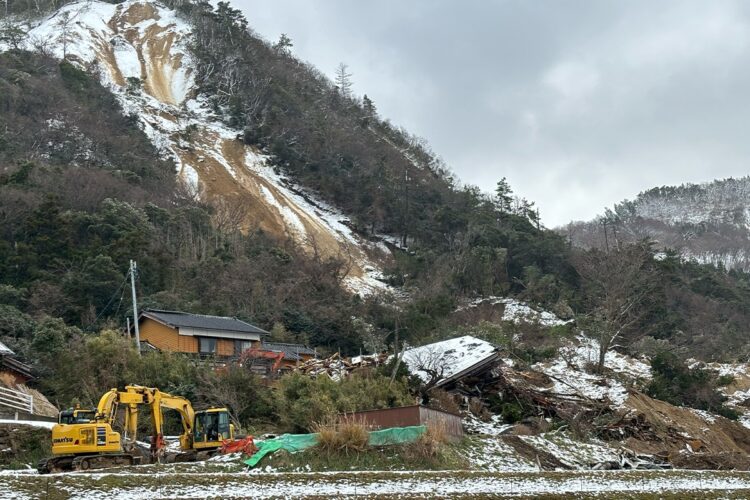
x,y
617,284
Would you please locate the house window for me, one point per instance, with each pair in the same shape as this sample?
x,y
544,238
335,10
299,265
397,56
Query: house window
x,y
206,345
242,345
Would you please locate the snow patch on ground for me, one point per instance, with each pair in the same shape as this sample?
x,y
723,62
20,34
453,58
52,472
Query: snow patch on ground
x,y
126,57
573,453
423,484
570,375
517,311
737,391
494,455
494,427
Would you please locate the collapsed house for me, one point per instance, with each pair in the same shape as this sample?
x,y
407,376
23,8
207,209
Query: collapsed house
x,y
573,417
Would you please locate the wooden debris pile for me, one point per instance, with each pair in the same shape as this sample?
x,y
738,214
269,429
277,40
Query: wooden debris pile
x,y
337,367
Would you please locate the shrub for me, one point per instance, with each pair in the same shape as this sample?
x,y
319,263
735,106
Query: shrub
x,y
678,384
301,401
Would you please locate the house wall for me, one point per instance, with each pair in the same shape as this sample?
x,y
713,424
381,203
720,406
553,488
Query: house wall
x,y
224,347
166,338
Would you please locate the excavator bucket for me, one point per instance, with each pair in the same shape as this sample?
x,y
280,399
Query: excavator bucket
x,y
244,445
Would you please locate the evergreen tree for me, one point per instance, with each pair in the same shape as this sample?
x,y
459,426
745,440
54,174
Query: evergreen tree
x,y
12,35
504,196
284,45
369,107
344,80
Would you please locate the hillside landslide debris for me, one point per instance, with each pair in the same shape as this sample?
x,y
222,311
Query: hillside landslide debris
x,y
563,403
648,433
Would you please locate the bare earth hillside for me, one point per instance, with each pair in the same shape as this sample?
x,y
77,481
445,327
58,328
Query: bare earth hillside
x,y
139,49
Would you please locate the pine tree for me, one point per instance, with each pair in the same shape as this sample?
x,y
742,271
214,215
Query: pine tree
x,y
284,44
12,35
344,80
369,107
504,195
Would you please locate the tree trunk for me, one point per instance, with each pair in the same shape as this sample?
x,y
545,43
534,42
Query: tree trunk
x,y
603,348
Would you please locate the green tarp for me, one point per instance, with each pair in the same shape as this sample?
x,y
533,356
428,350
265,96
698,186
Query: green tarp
x,y
298,442
396,435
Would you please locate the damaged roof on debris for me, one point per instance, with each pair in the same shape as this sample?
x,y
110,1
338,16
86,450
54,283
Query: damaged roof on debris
x,y
446,362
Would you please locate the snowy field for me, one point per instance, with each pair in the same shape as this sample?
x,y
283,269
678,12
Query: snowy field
x,y
604,484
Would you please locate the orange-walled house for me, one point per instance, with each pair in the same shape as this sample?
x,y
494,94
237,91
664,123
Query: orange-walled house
x,y
197,333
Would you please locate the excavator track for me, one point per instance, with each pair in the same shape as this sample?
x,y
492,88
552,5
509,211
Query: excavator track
x,y
86,462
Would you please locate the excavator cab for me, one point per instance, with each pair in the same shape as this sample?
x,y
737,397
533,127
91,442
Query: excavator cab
x,y
211,428
77,415
78,433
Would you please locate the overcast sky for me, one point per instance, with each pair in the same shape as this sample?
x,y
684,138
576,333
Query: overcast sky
x,y
580,104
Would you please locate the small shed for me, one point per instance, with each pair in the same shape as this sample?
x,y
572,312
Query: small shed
x,y
406,416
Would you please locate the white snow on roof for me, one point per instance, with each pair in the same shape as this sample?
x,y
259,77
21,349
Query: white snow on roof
x,y
5,350
445,359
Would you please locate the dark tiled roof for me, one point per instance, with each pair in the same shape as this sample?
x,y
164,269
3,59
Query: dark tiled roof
x,y
204,322
17,366
291,351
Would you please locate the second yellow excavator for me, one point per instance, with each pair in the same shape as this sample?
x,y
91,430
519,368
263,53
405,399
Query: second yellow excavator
x,y
84,439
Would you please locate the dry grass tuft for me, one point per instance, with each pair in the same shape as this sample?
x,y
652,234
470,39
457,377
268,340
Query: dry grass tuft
x,y
430,443
342,437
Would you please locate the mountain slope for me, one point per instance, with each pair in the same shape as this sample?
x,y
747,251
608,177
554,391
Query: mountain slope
x,y
709,222
140,50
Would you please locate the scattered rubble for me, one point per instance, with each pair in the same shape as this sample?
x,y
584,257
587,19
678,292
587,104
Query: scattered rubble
x,y
337,367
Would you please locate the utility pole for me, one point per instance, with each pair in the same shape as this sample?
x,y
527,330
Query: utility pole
x,y
133,270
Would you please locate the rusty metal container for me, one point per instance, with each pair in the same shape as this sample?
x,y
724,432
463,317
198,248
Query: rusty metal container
x,y
407,416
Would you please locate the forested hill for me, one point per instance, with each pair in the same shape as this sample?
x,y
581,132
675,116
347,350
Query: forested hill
x,y
707,222
86,187
247,183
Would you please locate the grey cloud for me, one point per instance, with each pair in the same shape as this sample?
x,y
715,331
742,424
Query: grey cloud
x,y
580,104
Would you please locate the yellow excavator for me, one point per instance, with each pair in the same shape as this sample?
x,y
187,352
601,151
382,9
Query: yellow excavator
x,y
84,439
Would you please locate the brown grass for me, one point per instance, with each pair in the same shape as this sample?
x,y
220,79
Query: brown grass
x,y
342,437
430,444
443,400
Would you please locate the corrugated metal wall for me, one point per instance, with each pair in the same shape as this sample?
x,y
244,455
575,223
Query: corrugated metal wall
x,y
450,422
406,416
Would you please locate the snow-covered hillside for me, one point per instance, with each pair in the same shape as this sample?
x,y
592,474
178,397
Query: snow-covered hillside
x,y
707,222
139,49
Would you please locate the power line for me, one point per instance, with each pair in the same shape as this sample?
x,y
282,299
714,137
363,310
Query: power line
x,y
121,287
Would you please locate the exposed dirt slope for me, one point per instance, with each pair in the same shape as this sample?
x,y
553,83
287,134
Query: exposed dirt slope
x,y
140,51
